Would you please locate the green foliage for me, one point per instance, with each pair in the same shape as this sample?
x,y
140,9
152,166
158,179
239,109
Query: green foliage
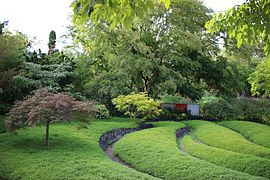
x,y
54,71
102,112
249,23
113,12
4,108
155,151
166,52
137,105
173,99
257,110
247,109
52,42
214,107
2,124
241,162
220,137
12,50
241,63
74,154
260,79
257,133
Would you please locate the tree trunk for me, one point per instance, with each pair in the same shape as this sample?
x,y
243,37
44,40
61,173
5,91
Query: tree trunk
x,y
47,133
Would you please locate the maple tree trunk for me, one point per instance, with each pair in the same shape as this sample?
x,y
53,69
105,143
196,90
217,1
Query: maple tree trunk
x,y
47,133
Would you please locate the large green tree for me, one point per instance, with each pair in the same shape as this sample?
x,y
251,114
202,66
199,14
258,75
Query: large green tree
x,y
168,52
13,46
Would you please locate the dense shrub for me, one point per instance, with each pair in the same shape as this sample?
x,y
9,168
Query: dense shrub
x,y
2,124
257,110
167,114
249,109
221,109
102,112
4,108
137,105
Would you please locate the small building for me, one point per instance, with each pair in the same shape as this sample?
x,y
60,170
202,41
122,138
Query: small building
x,y
189,108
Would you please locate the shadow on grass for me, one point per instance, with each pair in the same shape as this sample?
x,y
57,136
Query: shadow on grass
x,y
35,144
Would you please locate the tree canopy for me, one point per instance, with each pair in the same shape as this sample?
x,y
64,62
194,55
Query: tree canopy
x,y
166,52
249,22
112,12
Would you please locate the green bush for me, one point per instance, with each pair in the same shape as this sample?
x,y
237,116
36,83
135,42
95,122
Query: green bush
x,y
257,110
167,114
221,109
102,112
4,108
2,124
248,109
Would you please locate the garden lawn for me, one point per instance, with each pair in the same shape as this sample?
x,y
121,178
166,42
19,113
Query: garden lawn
x,y
257,133
241,162
218,136
155,151
73,154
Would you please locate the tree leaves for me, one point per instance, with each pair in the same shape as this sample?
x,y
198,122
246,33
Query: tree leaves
x,y
260,79
135,105
249,22
112,12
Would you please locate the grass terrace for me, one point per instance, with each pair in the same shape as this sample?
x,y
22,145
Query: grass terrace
x,y
255,132
218,136
155,151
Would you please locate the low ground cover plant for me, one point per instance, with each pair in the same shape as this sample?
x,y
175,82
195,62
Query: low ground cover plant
x,y
73,154
215,135
241,162
257,133
155,151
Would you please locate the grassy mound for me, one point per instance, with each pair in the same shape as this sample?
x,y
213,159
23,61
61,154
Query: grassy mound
x,y
257,133
73,154
241,162
155,151
215,135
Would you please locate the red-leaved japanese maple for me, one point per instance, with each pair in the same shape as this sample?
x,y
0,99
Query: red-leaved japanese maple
x,y
45,107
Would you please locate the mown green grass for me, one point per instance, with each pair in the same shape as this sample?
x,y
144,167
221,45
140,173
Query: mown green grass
x,y
155,151
215,135
73,154
241,162
257,133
